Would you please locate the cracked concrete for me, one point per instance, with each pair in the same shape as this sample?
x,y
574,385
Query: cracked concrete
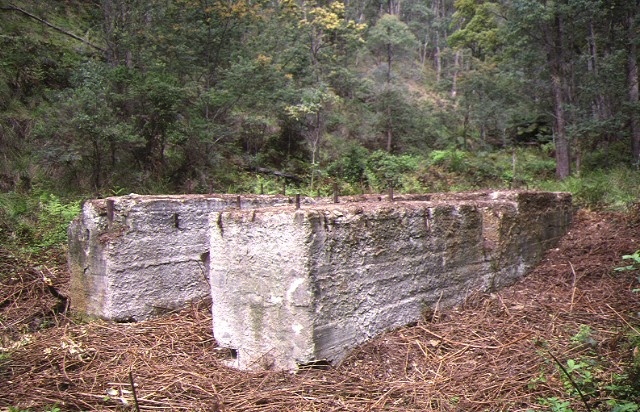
x,y
294,287
134,257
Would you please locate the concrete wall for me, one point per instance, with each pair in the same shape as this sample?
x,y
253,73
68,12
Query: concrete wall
x,y
293,287
297,286
134,257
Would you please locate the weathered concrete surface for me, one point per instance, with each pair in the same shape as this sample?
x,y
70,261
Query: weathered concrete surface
x,y
134,257
293,287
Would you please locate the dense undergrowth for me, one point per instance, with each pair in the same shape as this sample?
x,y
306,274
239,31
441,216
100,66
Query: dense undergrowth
x,y
35,218
33,223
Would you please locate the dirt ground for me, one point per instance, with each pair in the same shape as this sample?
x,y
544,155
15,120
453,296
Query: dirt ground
x,y
497,352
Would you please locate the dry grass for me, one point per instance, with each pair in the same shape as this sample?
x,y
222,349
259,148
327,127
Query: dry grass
x,y
495,353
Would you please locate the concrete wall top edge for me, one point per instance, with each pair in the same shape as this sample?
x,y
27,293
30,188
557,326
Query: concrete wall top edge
x,y
440,196
112,244
357,205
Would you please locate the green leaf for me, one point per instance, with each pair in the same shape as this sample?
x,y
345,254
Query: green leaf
x,y
625,268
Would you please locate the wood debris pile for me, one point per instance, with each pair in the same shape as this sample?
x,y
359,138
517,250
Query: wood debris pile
x,y
496,352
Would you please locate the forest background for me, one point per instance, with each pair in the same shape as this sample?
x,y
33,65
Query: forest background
x,y
110,97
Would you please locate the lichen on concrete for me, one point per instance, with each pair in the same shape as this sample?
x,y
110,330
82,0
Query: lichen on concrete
x,y
293,286
362,268
134,257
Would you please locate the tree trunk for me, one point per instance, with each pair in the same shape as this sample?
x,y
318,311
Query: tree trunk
x,y
388,109
97,165
465,127
438,58
109,28
393,7
389,62
315,135
555,45
632,80
454,77
423,51
563,165
592,68
438,53
389,128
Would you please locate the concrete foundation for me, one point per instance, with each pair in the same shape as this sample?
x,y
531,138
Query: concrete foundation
x,y
297,286
134,257
294,286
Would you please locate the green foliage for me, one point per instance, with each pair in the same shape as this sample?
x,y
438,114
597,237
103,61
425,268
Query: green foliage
x,y
583,379
635,262
351,166
386,170
608,156
623,407
556,405
581,374
267,186
15,219
584,336
623,393
488,169
35,222
535,382
479,26
53,219
453,159
633,266
390,32
312,101
613,188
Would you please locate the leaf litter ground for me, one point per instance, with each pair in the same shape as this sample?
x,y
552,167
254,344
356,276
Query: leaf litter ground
x,y
493,353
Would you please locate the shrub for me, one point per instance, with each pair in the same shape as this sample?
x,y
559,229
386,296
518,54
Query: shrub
x,y
384,169
35,221
615,188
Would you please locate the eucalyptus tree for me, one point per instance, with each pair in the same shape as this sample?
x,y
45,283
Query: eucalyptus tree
x,y
389,40
431,23
324,44
311,112
588,48
482,97
630,13
550,32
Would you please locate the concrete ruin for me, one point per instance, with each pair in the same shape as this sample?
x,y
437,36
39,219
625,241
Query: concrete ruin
x,y
297,285
134,257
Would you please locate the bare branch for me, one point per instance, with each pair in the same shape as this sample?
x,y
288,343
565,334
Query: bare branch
x,y
13,7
